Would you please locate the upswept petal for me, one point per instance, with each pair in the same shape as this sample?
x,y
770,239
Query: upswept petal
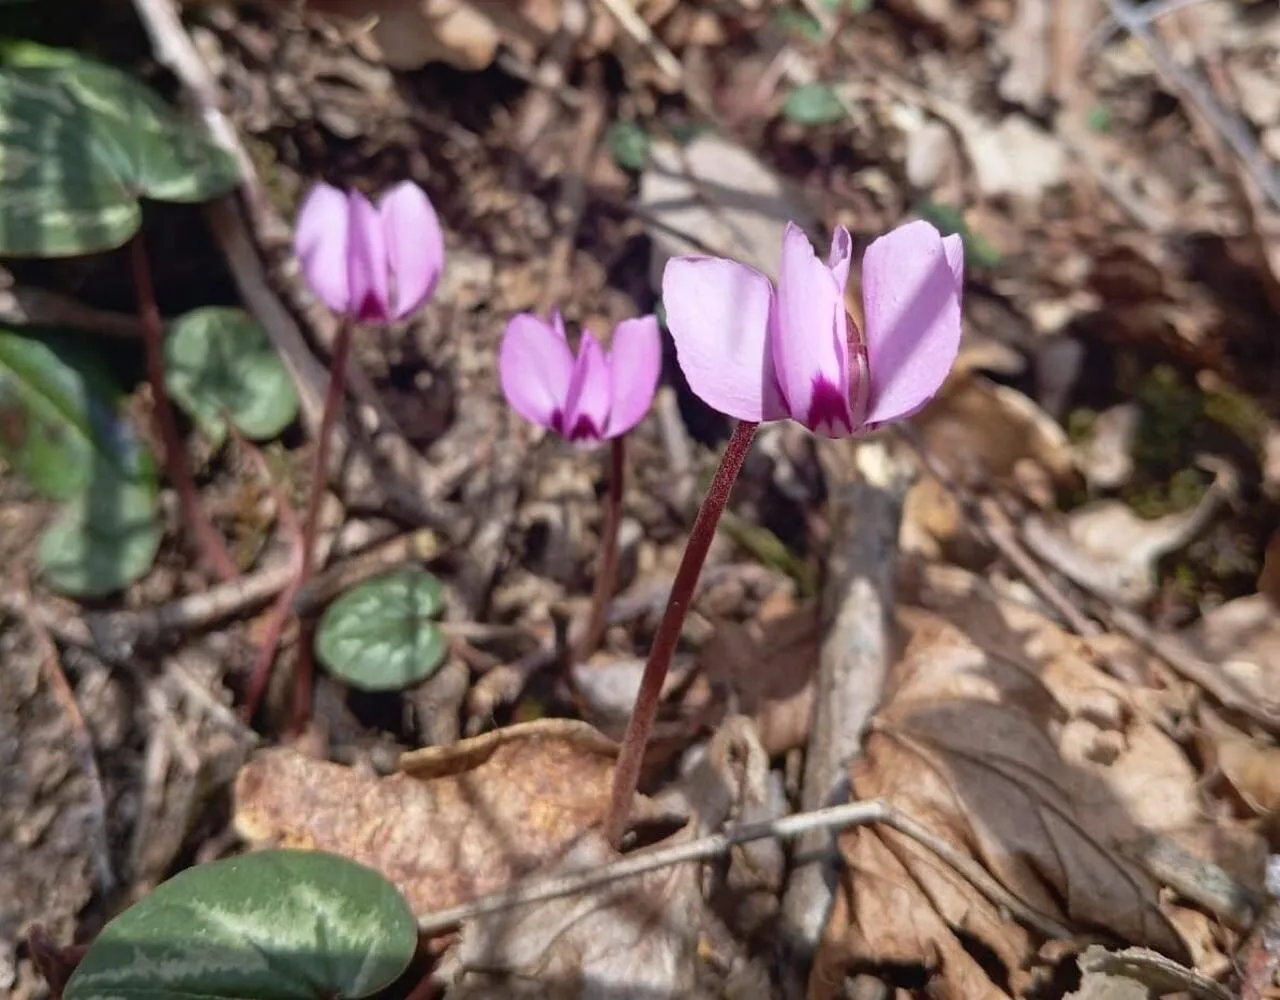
x,y
366,262
911,279
841,255
810,342
320,241
718,312
635,363
535,366
415,245
586,409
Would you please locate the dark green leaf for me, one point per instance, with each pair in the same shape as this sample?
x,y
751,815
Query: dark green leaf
x,y
60,426
813,104
218,361
102,541
276,925
630,145
80,141
380,636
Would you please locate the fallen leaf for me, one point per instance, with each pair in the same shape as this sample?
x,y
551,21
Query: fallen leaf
x,y
634,939
629,940
1007,742
1025,43
1243,638
458,822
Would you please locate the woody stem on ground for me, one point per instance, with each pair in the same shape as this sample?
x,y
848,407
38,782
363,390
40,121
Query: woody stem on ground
x,y
607,568
626,775
167,426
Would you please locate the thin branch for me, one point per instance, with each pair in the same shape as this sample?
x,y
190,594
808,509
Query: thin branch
x,y
783,828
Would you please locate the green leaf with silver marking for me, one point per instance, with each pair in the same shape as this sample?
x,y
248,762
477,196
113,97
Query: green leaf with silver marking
x,y
60,423
279,925
380,635
80,142
101,541
220,365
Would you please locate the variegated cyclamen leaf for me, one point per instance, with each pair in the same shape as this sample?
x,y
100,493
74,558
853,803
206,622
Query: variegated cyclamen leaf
x,y
80,142
279,925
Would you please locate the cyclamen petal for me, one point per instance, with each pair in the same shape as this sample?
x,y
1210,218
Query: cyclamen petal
x,y
911,281
756,353
635,364
718,312
372,264
810,334
415,246
535,367
589,398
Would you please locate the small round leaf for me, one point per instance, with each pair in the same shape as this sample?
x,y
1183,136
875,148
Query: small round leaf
x,y
813,104
288,925
629,143
380,636
218,361
101,541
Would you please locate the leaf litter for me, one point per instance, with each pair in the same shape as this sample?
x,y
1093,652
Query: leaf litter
x,y
1137,812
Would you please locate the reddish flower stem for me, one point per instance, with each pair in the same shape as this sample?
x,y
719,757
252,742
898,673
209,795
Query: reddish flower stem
x,y
626,775
607,569
305,666
320,468
215,553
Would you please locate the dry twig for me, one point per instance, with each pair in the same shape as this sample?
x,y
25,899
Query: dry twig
x,y
784,828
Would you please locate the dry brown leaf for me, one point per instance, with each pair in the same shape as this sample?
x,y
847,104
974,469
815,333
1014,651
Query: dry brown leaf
x,y
1252,767
769,667
982,431
463,821
630,940
1007,742
635,938
1243,638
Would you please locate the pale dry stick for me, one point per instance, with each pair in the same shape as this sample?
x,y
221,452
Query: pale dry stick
x,y
783,828
415,547
868,483
80,736
1229,126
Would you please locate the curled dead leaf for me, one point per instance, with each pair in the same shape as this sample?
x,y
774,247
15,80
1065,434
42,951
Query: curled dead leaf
x,y
461,821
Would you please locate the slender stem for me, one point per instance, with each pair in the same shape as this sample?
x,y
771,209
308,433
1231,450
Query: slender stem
x,y
607,568
320,468
175,462
305,667
626,775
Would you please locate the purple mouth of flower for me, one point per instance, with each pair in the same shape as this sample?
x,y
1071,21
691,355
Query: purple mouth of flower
x,y
583,429
370,310
829,408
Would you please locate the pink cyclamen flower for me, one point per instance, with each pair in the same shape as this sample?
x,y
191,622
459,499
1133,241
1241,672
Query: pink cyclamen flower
x,y
372,264
756,352
586,398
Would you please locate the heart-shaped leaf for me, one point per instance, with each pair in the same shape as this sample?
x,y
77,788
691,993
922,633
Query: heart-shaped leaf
x,y
59,422
380,636
102,541
813,104
80,141
277,924
219,362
